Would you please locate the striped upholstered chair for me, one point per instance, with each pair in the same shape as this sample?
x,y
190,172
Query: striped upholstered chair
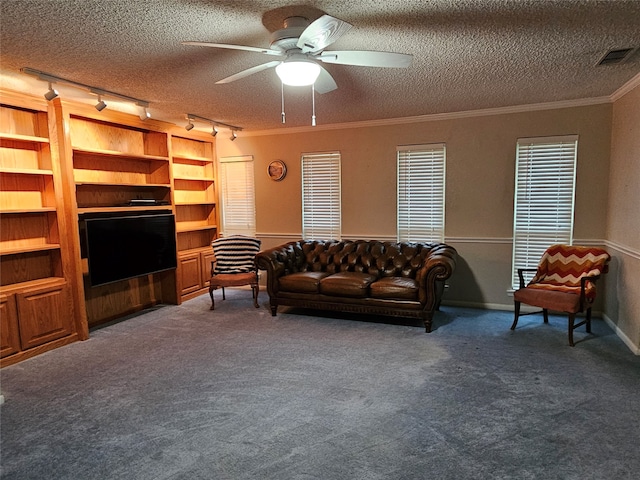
x,y
234,265
565,281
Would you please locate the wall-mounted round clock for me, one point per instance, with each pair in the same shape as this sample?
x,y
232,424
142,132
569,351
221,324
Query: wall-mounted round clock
x,y
277,170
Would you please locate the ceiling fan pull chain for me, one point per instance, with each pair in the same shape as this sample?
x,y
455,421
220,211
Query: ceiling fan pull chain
x,y
313,105
283,116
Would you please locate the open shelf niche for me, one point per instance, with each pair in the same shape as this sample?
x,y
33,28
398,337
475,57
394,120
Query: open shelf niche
x,y
196,211
119,166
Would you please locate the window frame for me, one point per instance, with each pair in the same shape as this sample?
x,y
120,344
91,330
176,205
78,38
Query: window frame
x,y
544,198
244,222
322,206
420,192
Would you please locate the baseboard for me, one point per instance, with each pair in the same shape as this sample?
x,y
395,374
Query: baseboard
x,y
627,341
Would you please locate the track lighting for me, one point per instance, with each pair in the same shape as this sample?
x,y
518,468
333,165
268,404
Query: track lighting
x,y
51,94
101,105
215,125
233,136
144,113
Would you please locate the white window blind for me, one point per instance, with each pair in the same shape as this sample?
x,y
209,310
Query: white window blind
x,y
238,196
544,198
421,180
321,217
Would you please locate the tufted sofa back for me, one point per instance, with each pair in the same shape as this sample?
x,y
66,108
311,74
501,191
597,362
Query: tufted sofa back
x,y
382,259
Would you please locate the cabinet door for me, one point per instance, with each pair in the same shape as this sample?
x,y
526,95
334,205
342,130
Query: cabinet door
x,y
190,273
207,258
9,334
45,314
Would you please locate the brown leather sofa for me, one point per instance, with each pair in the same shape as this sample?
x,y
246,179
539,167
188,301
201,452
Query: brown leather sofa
x,y
362,276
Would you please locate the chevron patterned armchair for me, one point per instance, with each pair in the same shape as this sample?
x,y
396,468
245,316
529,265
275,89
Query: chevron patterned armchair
x,y
565,281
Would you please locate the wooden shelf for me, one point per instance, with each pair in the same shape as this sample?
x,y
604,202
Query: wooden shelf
x,y
122,209
180,228
23,138
129,184
29,249
41,282
190,204
192,159
193,178
115,153
26,171
19,211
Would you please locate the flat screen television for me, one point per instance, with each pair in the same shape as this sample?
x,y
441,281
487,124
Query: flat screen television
x,y
119,248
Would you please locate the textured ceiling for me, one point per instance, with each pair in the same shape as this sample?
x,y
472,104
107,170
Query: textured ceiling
x,y
468,54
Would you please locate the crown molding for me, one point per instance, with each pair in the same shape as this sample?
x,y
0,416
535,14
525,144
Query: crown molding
x,y
626,88
583,102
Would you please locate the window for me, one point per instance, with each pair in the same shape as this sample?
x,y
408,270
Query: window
x,y
321,196
421,170
544,198
238,196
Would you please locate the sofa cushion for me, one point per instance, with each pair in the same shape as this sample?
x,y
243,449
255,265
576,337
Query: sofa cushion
x,y
347,284
401,288
302,282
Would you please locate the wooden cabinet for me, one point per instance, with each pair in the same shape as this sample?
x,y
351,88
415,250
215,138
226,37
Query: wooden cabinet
x,y
36,307
196,211
9,334
42,312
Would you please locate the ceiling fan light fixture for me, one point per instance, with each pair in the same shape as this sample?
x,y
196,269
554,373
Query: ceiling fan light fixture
x,y
298,72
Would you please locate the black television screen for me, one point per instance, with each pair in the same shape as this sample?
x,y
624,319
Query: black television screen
x,y
119,248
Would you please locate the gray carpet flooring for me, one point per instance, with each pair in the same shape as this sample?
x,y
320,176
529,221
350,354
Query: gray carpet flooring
x,y
181,392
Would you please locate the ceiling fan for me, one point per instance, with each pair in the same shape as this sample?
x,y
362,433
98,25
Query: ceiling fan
x,y
300,48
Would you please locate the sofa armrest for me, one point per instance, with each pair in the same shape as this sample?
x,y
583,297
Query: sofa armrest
x,y
275,261
438,266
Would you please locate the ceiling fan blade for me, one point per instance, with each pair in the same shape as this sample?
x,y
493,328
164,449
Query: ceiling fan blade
x,y
325,82
249,71
367,58
267,51
321,33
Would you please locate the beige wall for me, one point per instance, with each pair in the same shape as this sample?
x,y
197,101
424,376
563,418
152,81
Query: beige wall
x,y
622,306
479,189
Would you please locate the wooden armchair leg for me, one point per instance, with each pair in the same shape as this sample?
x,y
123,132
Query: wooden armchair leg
x,y
588,320
255,290
213,304
516,314
545,314
572,318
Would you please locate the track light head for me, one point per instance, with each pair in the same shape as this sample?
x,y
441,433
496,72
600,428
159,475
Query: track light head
x,y
214,131
101,105
51,94
189,126
144,113
234,135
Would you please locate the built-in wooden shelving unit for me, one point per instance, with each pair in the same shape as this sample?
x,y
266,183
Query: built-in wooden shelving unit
x,y
36,311
196,211
62,163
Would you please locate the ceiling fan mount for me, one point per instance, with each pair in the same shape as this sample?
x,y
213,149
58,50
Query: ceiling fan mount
x,y
286,38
